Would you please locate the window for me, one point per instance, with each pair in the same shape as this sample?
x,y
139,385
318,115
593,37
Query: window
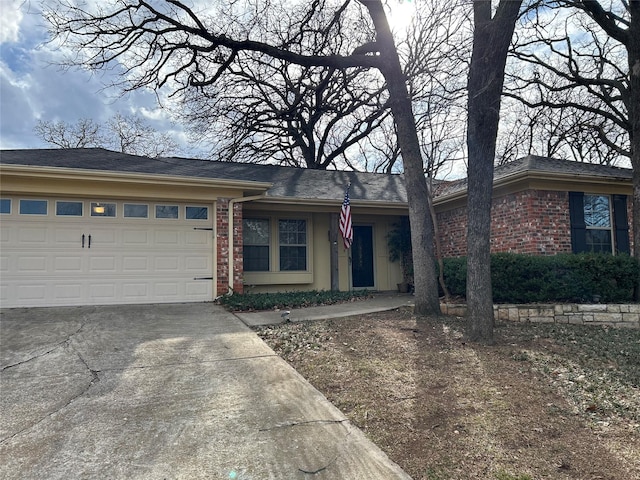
x,y
197,213
255,235
100,209
166,211
598,223
69,209
134,210
33,207
597,220
292,236
5,205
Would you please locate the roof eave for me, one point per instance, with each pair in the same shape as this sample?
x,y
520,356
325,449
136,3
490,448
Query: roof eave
x,y
130,177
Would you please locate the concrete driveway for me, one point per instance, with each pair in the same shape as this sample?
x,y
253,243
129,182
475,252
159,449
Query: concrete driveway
x,y
164,392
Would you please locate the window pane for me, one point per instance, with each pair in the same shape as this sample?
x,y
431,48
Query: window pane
x,y
255,231
597,212
33,207
197,213
99,209
134,210
293,244
72,209
166,211
293,232
599,241
293,258
255,235
256,258
5,205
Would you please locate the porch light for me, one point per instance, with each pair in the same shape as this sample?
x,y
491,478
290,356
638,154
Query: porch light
x,y
99,209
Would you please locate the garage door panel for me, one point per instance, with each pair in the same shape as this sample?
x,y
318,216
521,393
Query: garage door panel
x,y
167,263
31,235
166,289
196,288
142,261
34,291
69,264
103,291
69,291
196,265
197,238
133,291
135,264
32,263
165,238
135,238
103,264
68,237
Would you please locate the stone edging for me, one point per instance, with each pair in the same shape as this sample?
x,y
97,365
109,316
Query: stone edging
x,y
614,315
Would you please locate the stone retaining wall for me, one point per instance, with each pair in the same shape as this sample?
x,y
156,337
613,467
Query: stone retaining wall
x,y
614,315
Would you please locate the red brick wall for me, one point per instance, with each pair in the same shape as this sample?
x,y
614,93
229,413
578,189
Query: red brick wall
x,y
222,239
630,221
532,221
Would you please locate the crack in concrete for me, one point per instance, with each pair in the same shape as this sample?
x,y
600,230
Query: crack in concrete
x,y
66,344
298,424
62,343
321,469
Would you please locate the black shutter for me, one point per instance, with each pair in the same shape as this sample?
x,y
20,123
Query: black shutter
x,y
621,225
576,217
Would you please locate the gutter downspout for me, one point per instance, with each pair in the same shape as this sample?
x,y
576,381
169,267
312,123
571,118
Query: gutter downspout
x,y
230,261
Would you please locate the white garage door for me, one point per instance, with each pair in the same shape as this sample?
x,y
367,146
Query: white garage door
x,y
84,252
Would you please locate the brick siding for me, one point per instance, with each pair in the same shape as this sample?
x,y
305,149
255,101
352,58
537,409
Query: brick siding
x,y
531,221
222,239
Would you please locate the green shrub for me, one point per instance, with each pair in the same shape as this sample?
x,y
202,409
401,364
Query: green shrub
x,y
270,301
520,278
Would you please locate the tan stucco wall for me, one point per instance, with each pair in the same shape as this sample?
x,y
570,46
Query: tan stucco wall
x,y
387,274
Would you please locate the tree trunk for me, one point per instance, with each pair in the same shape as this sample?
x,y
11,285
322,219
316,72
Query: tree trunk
x,y
424,269
491,41
633,52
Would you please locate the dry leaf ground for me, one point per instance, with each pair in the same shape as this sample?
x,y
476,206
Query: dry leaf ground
x,y
546,402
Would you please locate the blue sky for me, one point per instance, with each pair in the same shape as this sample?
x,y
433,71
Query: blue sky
x,y
33,87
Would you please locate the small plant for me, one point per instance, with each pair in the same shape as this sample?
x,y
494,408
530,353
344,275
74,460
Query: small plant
x,y
399,243
270,301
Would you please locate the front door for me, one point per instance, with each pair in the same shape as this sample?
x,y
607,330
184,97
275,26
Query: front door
x,y
362,257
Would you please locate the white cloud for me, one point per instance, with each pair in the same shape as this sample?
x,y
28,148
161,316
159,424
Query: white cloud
x,y
10,21
33,87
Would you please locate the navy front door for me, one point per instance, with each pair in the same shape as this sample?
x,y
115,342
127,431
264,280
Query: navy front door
x,y
362,257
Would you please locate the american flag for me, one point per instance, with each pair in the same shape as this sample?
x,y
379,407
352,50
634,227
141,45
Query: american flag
x,y
345,220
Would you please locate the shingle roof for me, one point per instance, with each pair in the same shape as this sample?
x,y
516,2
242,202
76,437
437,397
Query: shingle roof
x,y
288,182
534,163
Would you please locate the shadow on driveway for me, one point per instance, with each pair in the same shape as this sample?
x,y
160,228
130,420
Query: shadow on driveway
x,y
163,391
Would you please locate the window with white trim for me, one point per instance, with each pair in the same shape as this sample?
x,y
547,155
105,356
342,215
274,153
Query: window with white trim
x,y
256,253
292,239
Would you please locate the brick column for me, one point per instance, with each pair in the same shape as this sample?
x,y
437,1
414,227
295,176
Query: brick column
x,y
223,245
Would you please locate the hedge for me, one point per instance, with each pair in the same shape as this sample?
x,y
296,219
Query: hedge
x,y
518,278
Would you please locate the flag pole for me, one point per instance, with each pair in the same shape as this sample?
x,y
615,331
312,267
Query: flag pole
x,y
346,228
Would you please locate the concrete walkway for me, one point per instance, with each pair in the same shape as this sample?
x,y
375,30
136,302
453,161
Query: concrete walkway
x,y
378,303
183,391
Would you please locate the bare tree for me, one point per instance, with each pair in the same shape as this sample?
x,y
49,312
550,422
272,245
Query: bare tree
x,y
169,44
131,134
568,133
123,133
83,134
577,71
491,40
265,111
